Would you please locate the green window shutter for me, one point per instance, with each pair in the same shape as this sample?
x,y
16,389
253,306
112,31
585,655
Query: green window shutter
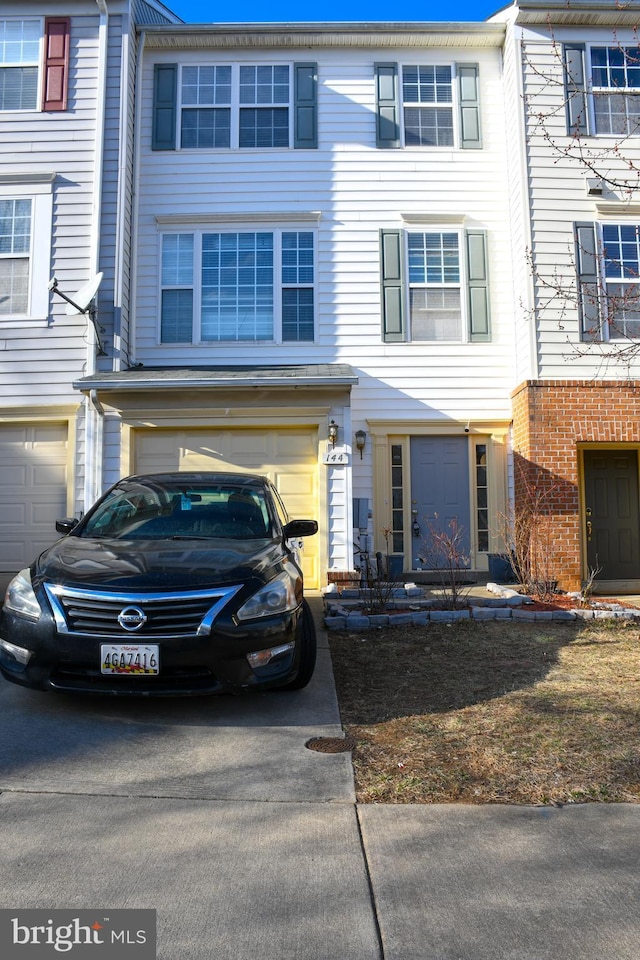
x,y
575,89
387,105
478,286
165,95
588,281
305,87
392,280
469,103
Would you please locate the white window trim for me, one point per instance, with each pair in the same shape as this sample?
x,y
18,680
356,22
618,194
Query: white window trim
x,y
38,64
453,106
38,189
196,229
605,281
442,226
594,91
234,106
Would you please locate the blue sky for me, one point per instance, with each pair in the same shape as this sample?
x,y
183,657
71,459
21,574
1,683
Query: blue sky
x,y
278,11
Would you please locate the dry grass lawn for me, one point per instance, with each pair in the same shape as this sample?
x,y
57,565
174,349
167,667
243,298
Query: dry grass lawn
x,y
491,712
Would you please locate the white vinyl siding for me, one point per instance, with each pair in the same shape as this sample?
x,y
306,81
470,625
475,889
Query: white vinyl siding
x,y
566,333
344,192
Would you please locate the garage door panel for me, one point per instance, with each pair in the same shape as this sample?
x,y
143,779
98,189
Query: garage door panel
x,y
12,514
44,475
33,489
250,446
297,444
287,457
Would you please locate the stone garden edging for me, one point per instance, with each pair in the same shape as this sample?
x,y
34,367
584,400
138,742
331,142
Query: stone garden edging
x,y
344,611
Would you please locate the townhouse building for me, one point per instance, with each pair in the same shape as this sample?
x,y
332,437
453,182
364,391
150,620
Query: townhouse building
x,y
66,134
389,265
574,69
321,260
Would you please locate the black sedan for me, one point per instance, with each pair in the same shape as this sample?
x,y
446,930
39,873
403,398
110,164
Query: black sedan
x,y
172,584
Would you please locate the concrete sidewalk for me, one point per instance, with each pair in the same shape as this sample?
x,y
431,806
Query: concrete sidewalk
x,y
251,847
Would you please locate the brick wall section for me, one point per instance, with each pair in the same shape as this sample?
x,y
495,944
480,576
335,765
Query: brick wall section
x,y
550,419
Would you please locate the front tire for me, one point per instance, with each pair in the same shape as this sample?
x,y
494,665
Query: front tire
x,y
308,649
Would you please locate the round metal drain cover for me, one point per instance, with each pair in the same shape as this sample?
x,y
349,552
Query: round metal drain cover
x,y
330,744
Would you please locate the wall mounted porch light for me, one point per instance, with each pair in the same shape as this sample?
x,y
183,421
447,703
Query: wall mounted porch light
x,y
361,439
333,433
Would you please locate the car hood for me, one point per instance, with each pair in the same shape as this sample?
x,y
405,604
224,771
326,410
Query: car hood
x,y
157,564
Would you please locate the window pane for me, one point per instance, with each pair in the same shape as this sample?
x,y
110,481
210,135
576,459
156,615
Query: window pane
x,y
176,321
265,127
15,226
297,258
297,315
433,258
435,314
623,303
177,260
264,84
14,286
429,84
203,86
237,286
19,41
617,113
18,88
428,127
206,129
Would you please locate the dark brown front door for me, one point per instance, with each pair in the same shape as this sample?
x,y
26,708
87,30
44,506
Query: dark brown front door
x,y
612,513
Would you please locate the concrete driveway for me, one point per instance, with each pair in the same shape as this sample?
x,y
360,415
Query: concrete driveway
x,y
250,846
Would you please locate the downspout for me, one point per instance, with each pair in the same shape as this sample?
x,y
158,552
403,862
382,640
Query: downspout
x,y
94,419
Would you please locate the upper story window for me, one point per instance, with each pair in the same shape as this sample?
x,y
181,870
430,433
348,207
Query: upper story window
x,y
615,84
15,255
237,286
28,47
608,260
428,105
234,106
19,63
621,258
223,106
435,302
25,246
427,98
602,89
434,286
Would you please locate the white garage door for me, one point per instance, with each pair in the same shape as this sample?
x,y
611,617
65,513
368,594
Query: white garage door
x,y
289,457
33,490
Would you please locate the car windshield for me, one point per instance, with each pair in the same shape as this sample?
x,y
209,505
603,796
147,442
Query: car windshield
x,y
150,510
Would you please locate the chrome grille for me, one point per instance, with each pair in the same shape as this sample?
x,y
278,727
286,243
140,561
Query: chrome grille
x,y
172,614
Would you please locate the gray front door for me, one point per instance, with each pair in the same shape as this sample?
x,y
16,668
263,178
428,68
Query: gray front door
x,y
440,497
612,514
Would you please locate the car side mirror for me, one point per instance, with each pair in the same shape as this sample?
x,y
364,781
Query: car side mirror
x,y
300,528
66,526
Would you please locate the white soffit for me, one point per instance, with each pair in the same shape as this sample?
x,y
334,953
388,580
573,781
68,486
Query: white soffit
x,y
317,35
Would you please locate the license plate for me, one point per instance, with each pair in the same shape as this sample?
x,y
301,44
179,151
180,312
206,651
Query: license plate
x,y
130,659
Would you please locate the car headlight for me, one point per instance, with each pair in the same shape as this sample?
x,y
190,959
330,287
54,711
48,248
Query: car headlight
x,y
278,596
20,597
